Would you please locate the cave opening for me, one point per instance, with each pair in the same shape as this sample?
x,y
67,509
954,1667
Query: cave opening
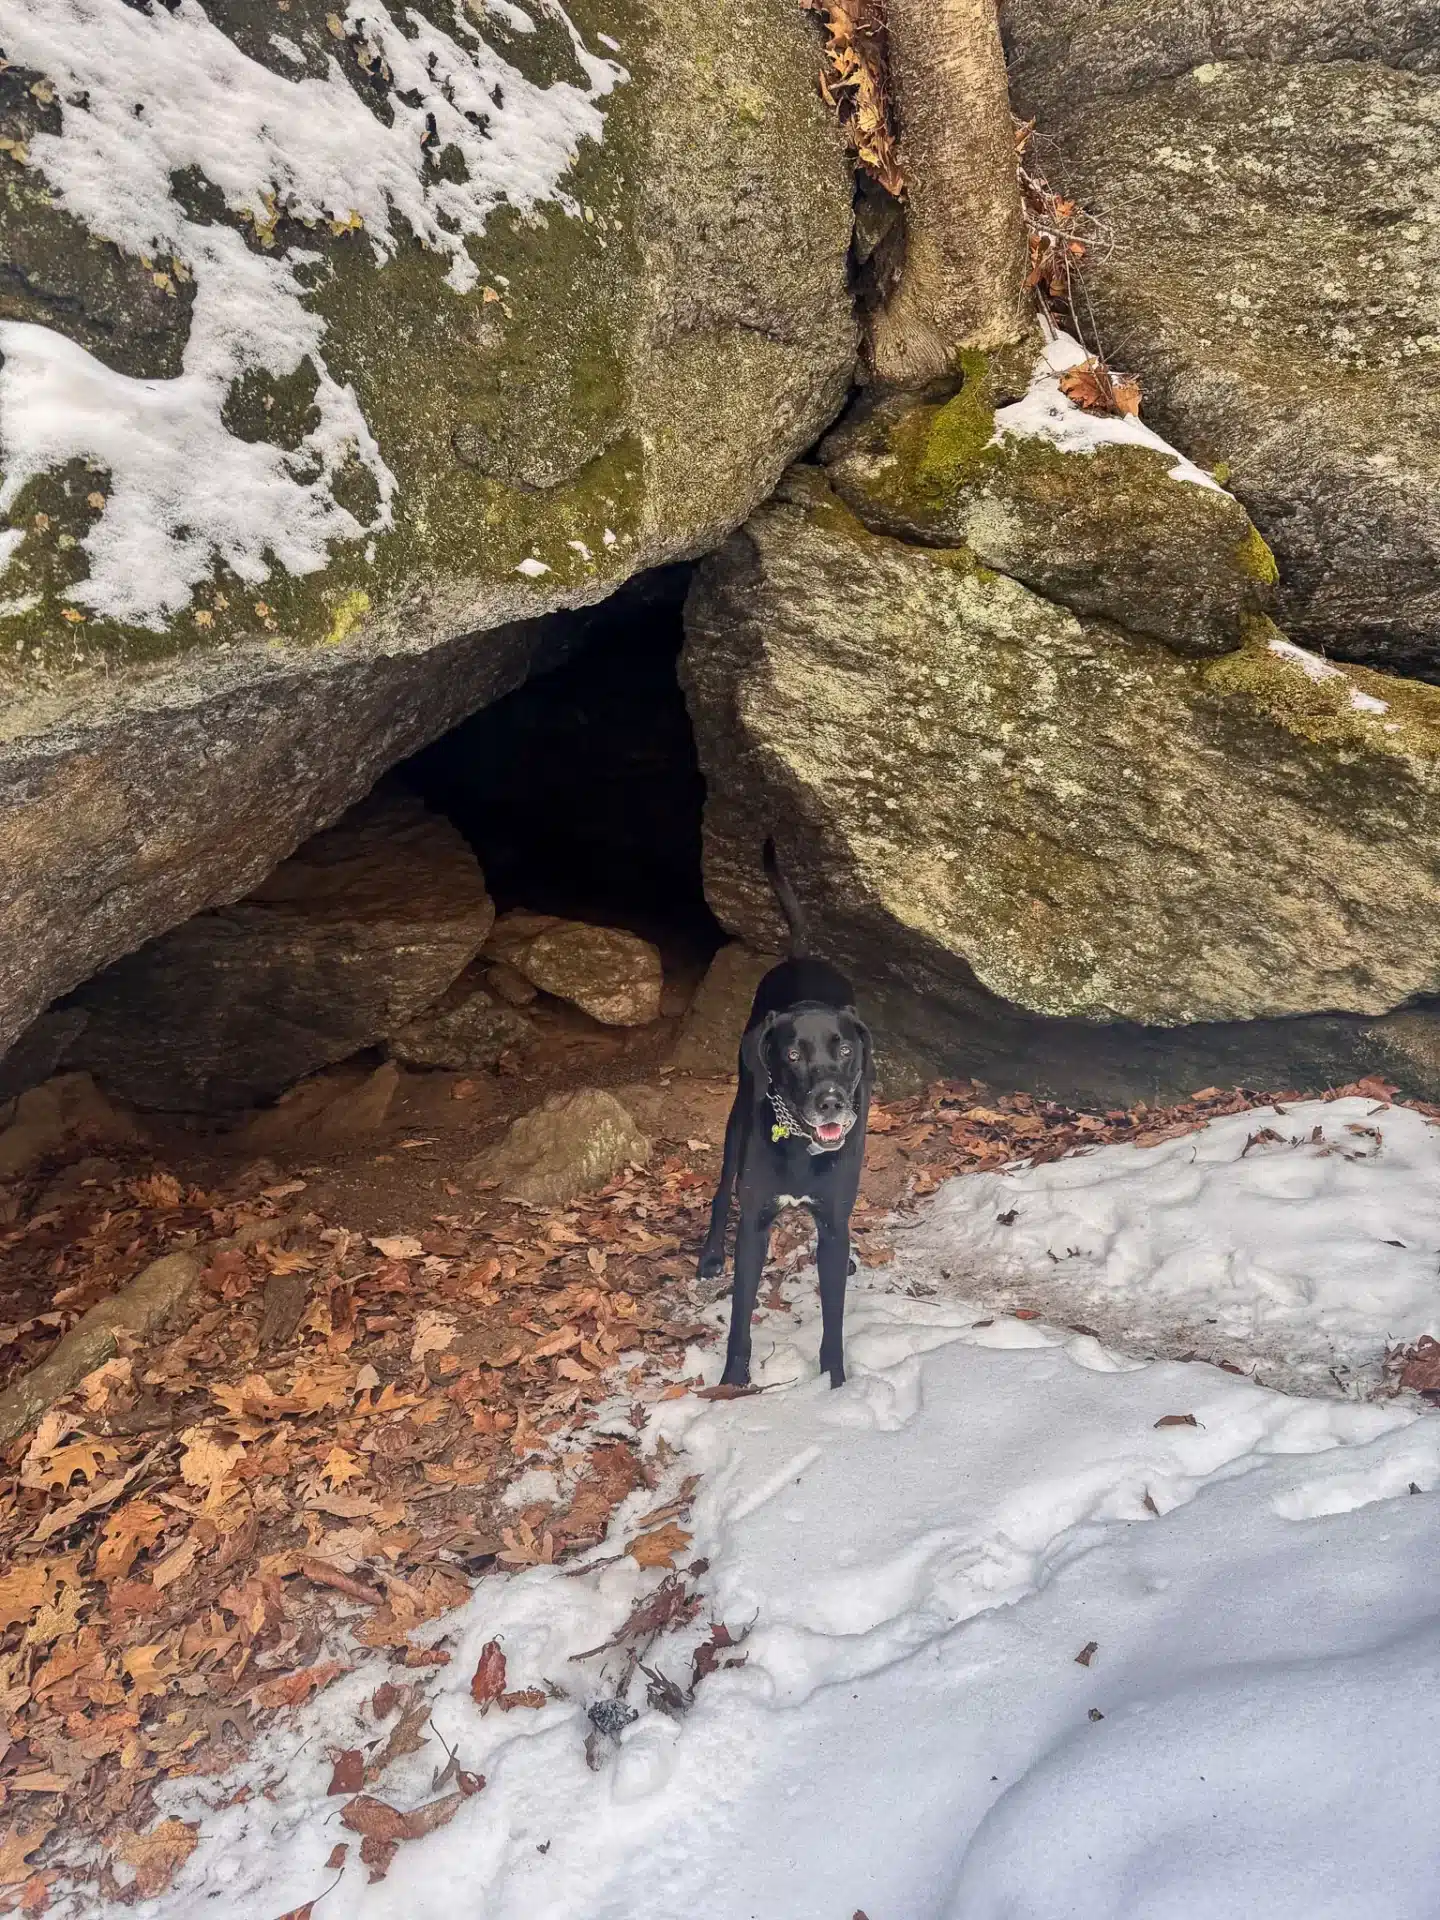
x,y
581,792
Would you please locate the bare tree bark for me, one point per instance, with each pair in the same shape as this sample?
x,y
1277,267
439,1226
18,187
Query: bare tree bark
x,y
962,284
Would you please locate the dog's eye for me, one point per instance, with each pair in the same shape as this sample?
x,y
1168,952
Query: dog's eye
x,y
792,1053
844,1050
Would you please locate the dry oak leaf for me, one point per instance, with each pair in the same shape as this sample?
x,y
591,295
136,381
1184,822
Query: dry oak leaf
x,y
397,1246
1093,387
658,1549
289,1689
340,1466
532,1697
16,1842
158,1190
55,1472
434,1332
208,1461
487,1683
1177,1420
158,1855
383,1827
22,1591
560,1342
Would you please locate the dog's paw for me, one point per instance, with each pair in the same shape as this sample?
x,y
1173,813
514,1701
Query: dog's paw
x,y
737,1374
836,1373
711,1264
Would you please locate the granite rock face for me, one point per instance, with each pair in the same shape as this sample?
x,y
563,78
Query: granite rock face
x,y
994,810
612,975
1237,155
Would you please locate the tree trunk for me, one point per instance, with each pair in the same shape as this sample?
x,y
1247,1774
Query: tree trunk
x,y
962,284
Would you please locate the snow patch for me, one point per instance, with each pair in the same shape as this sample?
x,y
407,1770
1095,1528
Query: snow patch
x,y
149,95
1317,669
1045,413
1250,1730
1312,1251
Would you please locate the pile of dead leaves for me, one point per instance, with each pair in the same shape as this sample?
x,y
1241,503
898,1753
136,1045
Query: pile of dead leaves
x,y
207,1531
856,85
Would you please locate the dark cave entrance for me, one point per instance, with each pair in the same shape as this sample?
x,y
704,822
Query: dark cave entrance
x,y
581,791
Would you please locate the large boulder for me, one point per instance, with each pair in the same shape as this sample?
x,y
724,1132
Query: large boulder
x,y
343,945
470,314
1269,179
1007,810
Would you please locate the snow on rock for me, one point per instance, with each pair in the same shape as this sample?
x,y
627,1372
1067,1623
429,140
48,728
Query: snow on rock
x,y
1317,669
1307,1252
920,1558
1048,414
149,95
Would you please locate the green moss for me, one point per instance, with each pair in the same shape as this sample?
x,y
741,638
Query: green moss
x,y
1256,561
948,447
1321,710
1221,472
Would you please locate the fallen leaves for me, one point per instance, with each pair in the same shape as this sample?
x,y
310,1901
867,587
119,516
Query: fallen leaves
x,y
398,1246
658,1549
1087,1653
17,1842
347,1771
488,1681
384,1828
1177,1420
156,1857
290,1689
1414,1369
1093,386
856,85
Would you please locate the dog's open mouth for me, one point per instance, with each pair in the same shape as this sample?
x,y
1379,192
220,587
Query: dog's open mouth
x,y
832,1132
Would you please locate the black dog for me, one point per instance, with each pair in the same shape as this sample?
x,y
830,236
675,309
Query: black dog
x,y
796,1133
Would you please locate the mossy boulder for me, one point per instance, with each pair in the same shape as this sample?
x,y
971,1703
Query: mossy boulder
x,y
1266,275
470,314
1122,529
978,794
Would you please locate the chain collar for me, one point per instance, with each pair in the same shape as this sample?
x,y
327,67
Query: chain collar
x,y
789,1126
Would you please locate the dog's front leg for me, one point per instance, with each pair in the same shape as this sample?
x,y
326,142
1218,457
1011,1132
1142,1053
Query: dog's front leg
x,y
832,1257
712,1254
752,1237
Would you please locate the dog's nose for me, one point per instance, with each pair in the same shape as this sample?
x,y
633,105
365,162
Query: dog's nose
x,y
830,1105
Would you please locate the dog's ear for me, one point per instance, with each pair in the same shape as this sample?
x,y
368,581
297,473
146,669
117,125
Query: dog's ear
x,y
757,1042
867,1049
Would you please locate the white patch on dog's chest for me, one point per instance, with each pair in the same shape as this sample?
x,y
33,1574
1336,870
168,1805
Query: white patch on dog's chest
x,y
792,1200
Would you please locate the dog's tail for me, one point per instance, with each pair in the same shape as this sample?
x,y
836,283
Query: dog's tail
x,y
789,905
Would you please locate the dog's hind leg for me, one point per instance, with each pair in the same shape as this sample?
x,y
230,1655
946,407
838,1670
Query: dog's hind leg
x,y
832,1257
752,1237
712,1254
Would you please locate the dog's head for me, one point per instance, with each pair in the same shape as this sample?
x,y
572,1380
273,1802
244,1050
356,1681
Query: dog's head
x,y
817,1059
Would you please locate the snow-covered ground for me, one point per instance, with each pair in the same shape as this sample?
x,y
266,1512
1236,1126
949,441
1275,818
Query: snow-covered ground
x,y
1297,1243
921,1557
